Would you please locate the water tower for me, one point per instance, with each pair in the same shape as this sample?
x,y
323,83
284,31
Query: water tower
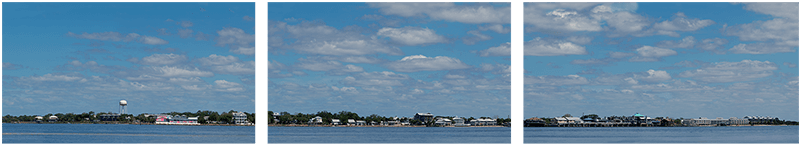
x,y
123,106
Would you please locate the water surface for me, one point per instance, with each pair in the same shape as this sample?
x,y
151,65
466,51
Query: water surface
x,y
746,134
389,135
113,133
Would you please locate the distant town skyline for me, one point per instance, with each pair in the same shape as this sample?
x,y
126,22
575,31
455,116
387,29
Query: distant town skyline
x,y
160,57
673,60
391,59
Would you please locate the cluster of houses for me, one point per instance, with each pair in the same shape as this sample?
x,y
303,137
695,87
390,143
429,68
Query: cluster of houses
x,y
612,121
747,120
423,118
642,120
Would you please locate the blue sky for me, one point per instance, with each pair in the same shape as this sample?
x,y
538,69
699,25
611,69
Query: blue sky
x,y
160,57
661,59
391,59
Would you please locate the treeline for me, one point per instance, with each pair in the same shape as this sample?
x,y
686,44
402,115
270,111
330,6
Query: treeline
x,y
327,118
91,116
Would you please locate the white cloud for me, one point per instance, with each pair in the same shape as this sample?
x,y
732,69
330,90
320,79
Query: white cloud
x,y
786,10
679,22
501,50
244,50
712,44
351,59
448,11
163,59
52,77
476,37
654,76
686,42
620,54
648,53
412,35
760,48
346,47
234,38
556,80
215,59
417,63
376,79
116,36
168,71
152,40
780,31
185,33
721,72
540,47
185,23
236,68
496,28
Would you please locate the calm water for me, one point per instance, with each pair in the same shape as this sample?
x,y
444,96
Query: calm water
x,y
747,134
108,133
389,135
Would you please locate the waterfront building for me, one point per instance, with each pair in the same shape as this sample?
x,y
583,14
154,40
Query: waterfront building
x,y
241,119
737,121
176,120
443,122
483,122
568,120
39,119
702,121
52,119
351,122
534,122
313,121
459,122
361,122
109,117
336,122
423,117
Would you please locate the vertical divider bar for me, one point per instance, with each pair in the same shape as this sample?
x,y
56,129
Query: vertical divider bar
x,y
517,77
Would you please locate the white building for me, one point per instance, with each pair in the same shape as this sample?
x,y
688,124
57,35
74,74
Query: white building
x,y
315,121
336,122
240,118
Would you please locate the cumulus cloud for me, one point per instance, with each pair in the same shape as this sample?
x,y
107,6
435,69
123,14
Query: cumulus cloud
x,y
556,80
495,27
654,75
229,65
786,10
779,31
680,22
541,47
170,71
116,36
686,42
648,53
448,12
720,72
248,18
412,35
316,38
162,59
501,50
10,66
712,44
417,63
185,23
234,38
384,78
760,48
476,37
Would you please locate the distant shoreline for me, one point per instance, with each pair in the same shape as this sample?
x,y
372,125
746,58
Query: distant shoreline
x,y
298,125
127,123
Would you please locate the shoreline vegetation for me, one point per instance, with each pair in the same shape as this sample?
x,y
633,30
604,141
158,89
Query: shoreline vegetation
x,y
204,118
351,119
639,120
